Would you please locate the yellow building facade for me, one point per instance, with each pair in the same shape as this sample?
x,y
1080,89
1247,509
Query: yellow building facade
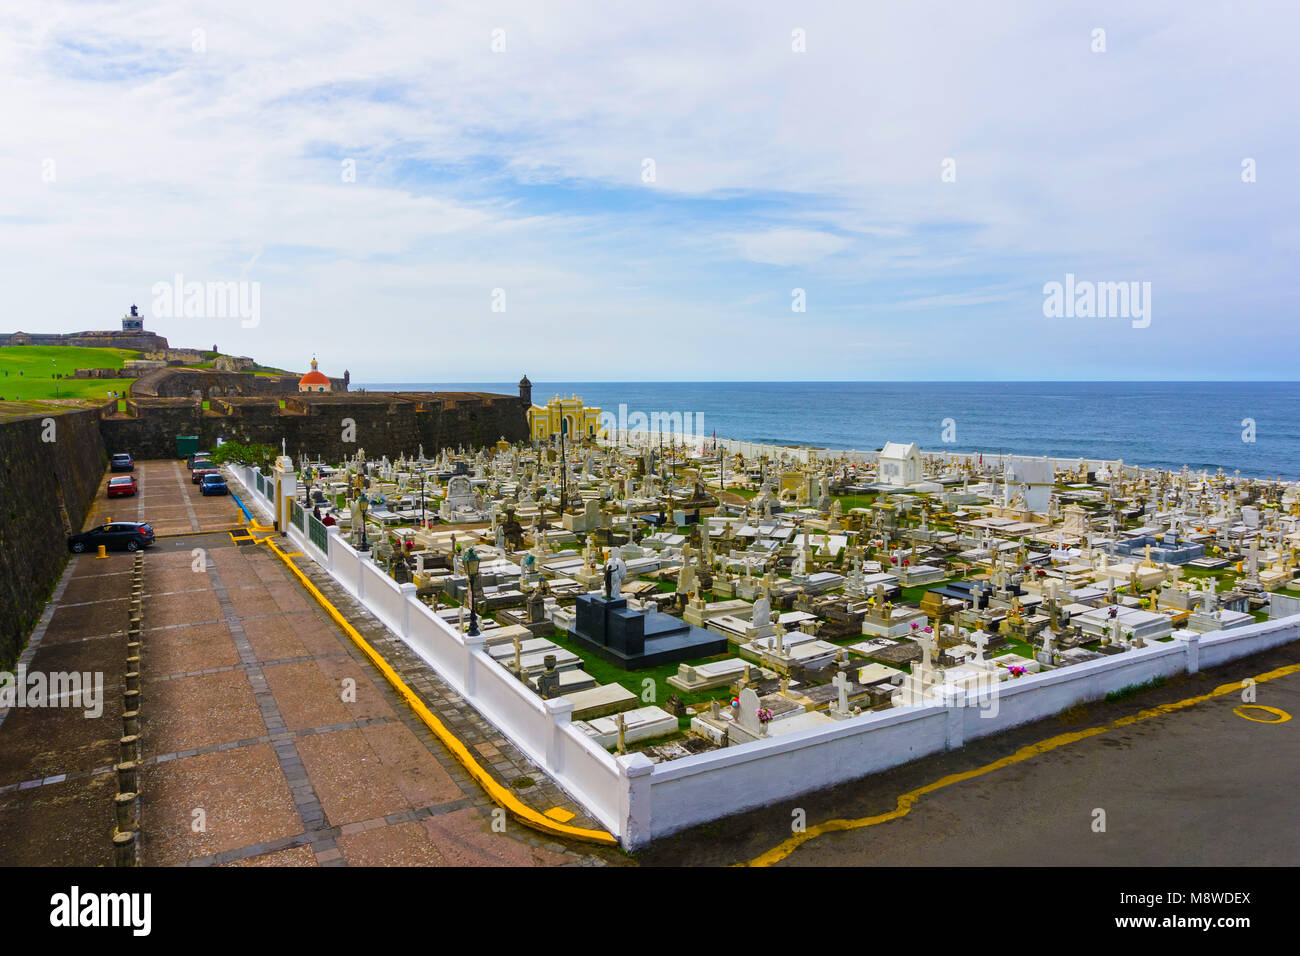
x,y
545,422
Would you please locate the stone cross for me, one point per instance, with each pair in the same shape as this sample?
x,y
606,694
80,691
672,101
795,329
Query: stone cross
x,y
841,683
927,646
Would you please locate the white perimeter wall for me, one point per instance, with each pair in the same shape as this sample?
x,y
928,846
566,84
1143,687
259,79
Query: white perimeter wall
x,y
992,461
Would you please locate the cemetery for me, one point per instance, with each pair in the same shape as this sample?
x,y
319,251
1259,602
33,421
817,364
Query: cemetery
x,y
638,613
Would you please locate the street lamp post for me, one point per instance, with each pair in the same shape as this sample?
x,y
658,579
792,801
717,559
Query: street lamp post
x,y
363,505
423,521
471,570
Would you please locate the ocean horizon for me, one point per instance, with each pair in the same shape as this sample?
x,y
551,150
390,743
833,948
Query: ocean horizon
x,y
1251,427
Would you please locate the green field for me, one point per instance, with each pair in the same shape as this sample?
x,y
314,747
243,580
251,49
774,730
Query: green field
x,y
27,372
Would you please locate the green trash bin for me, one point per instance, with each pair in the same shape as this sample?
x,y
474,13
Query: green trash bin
x,y
186,445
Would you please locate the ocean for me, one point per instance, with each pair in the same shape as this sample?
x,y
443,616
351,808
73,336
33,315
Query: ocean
x,y
1252,427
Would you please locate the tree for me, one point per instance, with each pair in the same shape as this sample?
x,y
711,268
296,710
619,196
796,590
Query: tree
x,y
251,454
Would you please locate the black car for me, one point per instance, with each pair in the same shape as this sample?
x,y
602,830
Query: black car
x,y
128,535
122,462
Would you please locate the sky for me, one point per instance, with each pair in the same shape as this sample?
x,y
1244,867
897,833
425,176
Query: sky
x,y
441,192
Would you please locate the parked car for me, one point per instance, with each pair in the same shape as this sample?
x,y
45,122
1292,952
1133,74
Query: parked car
x,y
193,460
123,487
200,470
213,485
121,462
131,535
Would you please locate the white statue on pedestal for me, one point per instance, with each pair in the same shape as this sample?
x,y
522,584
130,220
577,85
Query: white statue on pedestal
x,y
617,574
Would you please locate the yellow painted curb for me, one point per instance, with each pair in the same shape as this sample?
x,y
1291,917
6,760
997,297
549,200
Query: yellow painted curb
x,y
503,797
907,800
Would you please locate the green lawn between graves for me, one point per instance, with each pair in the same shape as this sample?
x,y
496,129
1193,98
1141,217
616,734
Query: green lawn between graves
x,y
650,684
27,372
849,502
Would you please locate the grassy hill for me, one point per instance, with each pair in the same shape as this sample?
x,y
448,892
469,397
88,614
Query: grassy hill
x,y
27,372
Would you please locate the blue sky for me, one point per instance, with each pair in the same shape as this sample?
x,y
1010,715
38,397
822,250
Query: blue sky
x,y
209,139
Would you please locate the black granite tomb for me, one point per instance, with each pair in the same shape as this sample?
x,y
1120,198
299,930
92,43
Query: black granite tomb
x,y
633,639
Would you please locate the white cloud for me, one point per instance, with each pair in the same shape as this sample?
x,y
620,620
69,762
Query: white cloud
x,y
786,247
522,170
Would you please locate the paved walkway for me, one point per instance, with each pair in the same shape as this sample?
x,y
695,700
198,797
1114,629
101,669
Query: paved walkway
x,y
505,762
267,738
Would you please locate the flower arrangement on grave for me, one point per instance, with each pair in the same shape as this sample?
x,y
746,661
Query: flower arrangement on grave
x,y
915,626
764,715
1016,670
928,629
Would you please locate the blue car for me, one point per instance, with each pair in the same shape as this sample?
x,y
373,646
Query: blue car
x,y
213,485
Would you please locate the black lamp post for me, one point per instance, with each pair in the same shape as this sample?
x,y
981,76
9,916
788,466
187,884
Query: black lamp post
x,y
363,505
423,521
471,570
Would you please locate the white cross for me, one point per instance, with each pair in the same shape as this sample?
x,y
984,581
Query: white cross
x,y
841,683
927,644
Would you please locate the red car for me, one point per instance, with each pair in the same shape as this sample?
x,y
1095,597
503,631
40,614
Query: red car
x,y
197,474
122,487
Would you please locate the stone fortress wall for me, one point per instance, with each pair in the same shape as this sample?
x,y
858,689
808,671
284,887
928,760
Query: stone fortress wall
x,y
331,426
136,341
47,487
168,382
46,490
